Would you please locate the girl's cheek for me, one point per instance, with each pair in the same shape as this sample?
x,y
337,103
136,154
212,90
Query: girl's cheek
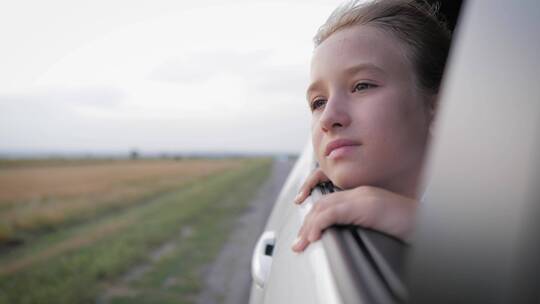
x,y
316,137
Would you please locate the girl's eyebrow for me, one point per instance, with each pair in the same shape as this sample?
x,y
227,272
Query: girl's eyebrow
x,y
353,69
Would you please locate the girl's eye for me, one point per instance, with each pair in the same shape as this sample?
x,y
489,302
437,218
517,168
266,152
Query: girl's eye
x,y
317,103
363,86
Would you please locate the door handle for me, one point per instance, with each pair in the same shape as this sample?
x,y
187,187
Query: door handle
x,y
261,262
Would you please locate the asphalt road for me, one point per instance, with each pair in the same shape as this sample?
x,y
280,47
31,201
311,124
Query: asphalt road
x,y
228,279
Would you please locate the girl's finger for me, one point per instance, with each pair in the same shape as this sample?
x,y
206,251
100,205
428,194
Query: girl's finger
x,y
301,240
300,244
313,179
332,215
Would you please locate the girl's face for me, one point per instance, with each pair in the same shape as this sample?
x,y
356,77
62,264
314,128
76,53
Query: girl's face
x,y
370,123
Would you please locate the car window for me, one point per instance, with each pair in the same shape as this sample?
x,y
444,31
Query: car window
x,y
367,265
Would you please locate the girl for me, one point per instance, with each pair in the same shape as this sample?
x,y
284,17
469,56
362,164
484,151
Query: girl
x,y
375,75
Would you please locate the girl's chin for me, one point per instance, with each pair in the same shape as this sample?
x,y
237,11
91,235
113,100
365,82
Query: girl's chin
x,y
346,180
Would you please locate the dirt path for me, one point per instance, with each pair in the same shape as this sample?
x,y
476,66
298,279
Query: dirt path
x,y
228,279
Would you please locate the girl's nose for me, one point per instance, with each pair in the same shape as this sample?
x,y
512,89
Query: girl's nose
x,y
335,115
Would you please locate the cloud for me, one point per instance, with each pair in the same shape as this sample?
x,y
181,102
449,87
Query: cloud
x,y
255,68
291,80
201,66
92,96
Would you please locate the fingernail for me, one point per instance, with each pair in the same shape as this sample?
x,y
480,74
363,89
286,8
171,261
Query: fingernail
x,y
297,198
296,244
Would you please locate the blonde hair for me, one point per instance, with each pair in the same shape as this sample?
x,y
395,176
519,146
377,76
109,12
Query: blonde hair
x,y
414,23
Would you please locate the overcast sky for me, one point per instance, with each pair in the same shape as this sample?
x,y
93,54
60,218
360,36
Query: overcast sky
x,y
109,76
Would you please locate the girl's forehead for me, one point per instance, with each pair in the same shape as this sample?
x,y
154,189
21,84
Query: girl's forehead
x,y
359,44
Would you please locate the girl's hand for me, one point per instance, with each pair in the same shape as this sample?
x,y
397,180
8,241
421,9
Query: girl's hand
x,y
365,206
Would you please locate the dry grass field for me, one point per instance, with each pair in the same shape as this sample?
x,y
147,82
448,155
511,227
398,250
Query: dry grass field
x,y
45,196
38,182
70,228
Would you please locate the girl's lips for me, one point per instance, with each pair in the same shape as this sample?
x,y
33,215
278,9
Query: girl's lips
x,y
341,152
339,145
